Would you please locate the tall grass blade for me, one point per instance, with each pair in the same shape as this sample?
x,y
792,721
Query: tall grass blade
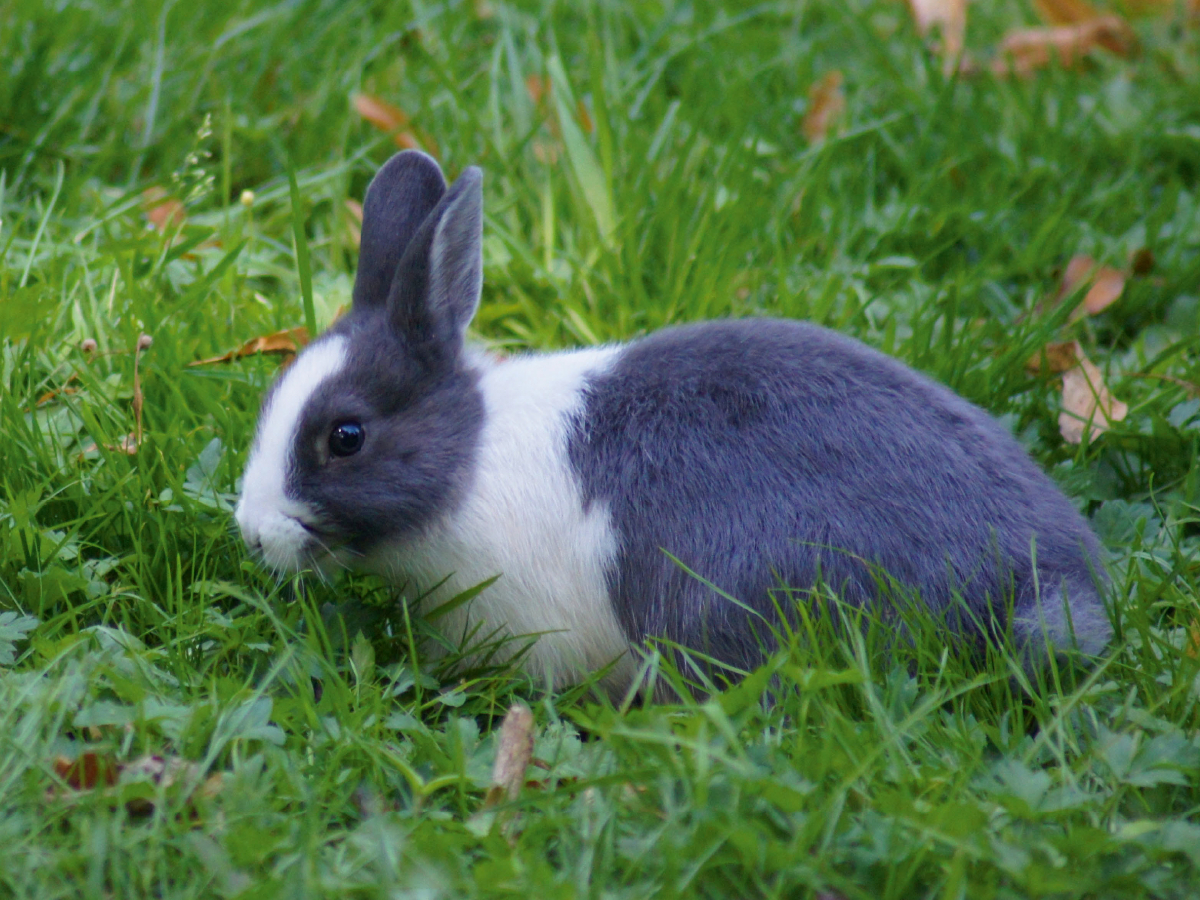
x,y
303,264
587,169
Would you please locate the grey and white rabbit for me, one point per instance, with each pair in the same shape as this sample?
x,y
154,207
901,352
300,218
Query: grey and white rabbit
x,y
758,453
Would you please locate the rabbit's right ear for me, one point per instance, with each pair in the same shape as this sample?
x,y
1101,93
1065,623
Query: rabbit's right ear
x,y
401,196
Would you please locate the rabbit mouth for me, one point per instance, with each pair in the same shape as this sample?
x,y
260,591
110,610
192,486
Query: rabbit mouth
x,y
289,544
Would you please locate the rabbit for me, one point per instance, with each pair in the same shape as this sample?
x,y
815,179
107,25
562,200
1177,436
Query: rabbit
x,y
629,491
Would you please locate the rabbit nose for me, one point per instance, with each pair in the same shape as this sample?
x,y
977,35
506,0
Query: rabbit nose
x,y
250,534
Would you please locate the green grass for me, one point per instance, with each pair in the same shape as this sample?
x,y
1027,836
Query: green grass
x,y
351,764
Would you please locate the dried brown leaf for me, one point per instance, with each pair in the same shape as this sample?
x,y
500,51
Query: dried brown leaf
x,y
380,113
1066,12
512,756
1087,403
1026,50
65,391
161,210
1141,261
127,445
93,771
87,771
826,104
1105,285
950,16
1104,292
1055,357
538,88
1078,271
585,118
285,343
392,120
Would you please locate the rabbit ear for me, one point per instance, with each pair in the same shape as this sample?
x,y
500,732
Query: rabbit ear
x,y
438,282
401,196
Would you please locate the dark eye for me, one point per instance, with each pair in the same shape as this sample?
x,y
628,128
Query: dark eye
x,y
346,439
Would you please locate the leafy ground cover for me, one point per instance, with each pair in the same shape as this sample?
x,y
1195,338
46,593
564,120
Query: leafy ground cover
x,y
175,724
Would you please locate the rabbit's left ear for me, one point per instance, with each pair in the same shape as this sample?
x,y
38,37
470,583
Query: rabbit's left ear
x,y
439,280
403,193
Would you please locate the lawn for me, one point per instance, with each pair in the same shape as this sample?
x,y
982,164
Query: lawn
x,y
175,723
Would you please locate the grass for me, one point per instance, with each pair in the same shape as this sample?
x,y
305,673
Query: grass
x,y
318,749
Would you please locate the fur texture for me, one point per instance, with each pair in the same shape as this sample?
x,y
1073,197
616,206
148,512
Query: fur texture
x,y
274,521
523,518
761,454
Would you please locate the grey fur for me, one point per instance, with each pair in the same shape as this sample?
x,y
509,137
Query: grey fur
x,y
400,197
405,379
762,453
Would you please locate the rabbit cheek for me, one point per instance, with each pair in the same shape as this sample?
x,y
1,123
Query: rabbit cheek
x,y
274,522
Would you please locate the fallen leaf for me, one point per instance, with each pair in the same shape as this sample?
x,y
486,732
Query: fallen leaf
x,y
538,88
161,210
87,771
826,104
512,755
92,771
1078,270
585,118
950,16
127,445
164,771
1026,50
1055,357
379,113
1105,285
65,391
1107,288
392,120
1087,403
1141,261
1066,12
286,343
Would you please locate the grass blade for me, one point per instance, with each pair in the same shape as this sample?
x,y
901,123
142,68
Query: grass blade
x,y
303,264
596,190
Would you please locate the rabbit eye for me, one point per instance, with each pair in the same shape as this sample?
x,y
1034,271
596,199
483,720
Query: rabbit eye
x,y
346,439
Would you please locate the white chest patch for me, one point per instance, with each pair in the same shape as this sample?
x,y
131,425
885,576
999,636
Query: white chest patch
x,y
523,519
268,518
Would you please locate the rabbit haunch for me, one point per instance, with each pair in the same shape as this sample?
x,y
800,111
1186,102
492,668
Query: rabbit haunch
x,y
762,455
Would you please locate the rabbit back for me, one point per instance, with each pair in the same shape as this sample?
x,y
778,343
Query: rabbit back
x,y
762,454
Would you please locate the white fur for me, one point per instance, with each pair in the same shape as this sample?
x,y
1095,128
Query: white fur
x,y
265,514
523,519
